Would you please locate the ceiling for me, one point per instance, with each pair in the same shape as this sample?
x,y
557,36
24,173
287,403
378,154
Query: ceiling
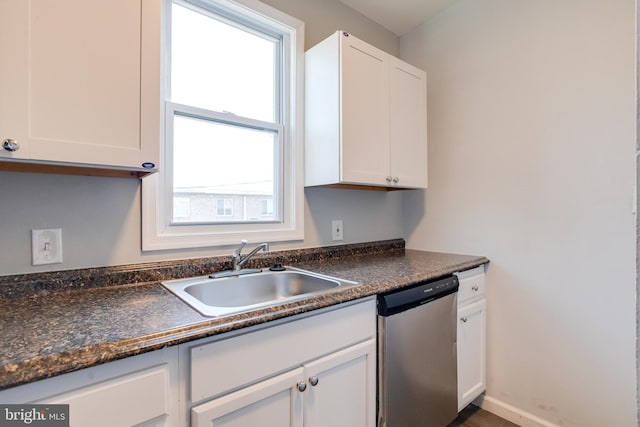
x,y
399,16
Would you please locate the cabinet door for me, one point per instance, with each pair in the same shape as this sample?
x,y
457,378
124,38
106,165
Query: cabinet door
x,y
71,82
14,39
344,390
471,352
273,402
408,124
117,402
365,113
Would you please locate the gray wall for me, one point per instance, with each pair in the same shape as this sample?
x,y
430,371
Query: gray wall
x,y
323,17
531,162
100,217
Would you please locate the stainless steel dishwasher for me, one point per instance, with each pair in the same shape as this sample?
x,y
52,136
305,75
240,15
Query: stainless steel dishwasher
x,y
417,368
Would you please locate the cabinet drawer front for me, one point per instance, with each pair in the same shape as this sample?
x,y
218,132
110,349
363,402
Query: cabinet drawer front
x,y
472,285
240,360
127,400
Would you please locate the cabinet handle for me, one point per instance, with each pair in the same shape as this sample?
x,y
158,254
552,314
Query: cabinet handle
x,y
475,288
388,180
313,381
395,180
10,144
302,386
464,319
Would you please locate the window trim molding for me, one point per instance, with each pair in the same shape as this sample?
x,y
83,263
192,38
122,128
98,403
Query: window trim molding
x,y
158,233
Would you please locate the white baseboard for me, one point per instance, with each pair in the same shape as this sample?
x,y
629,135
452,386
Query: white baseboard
x,y
511,413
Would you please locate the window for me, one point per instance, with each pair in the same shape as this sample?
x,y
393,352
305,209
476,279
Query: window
x,y
224,207
233,125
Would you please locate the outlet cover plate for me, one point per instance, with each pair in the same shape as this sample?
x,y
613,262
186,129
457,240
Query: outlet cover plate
x,y
337,229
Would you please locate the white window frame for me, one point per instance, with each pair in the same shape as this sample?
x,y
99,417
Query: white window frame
x,y
158,231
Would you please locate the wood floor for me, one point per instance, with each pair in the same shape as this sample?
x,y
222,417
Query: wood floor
x,y
472,416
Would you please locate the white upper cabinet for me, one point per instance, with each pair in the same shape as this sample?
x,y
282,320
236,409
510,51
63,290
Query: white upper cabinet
x,y
80,82
366,117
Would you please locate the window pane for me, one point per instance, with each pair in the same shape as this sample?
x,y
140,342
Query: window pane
x,y
221,67
181,207
224,171
266,207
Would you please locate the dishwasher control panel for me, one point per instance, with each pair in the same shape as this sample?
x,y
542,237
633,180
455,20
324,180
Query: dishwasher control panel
x,y
421,293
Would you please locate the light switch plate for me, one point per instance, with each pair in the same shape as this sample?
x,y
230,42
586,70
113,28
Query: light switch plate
x,y
46,246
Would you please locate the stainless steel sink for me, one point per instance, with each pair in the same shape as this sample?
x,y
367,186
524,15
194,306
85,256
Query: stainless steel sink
x,y
246,292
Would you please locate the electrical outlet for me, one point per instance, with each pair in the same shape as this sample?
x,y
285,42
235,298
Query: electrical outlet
x,y
336,229
46,246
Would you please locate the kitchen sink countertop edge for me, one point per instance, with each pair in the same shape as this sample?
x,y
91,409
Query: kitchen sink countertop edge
x,y
51,333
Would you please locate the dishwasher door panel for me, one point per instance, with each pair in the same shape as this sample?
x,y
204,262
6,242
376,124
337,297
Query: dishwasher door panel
x,y
418,365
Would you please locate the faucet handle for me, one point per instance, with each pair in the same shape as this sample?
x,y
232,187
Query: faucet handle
x,y
236,251
243,243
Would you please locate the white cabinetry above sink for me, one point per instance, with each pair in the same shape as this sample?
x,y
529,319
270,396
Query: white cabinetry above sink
x,y
365,117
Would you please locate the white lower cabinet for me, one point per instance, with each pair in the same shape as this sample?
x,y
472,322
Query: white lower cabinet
x,y
472,330
316,371
138,391
336,390
471,352
117,402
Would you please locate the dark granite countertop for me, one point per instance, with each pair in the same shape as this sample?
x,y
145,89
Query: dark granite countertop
x,y
55,328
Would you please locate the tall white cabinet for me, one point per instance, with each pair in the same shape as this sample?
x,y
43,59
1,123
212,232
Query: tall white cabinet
x,y
365,117
80,83
472,336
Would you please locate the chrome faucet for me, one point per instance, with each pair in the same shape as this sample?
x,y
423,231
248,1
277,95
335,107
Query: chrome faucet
x,y
239,260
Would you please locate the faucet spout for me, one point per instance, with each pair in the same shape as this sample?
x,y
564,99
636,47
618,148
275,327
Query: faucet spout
x,y
239,260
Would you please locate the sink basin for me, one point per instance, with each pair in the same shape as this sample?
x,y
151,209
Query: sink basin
x,y
242,293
